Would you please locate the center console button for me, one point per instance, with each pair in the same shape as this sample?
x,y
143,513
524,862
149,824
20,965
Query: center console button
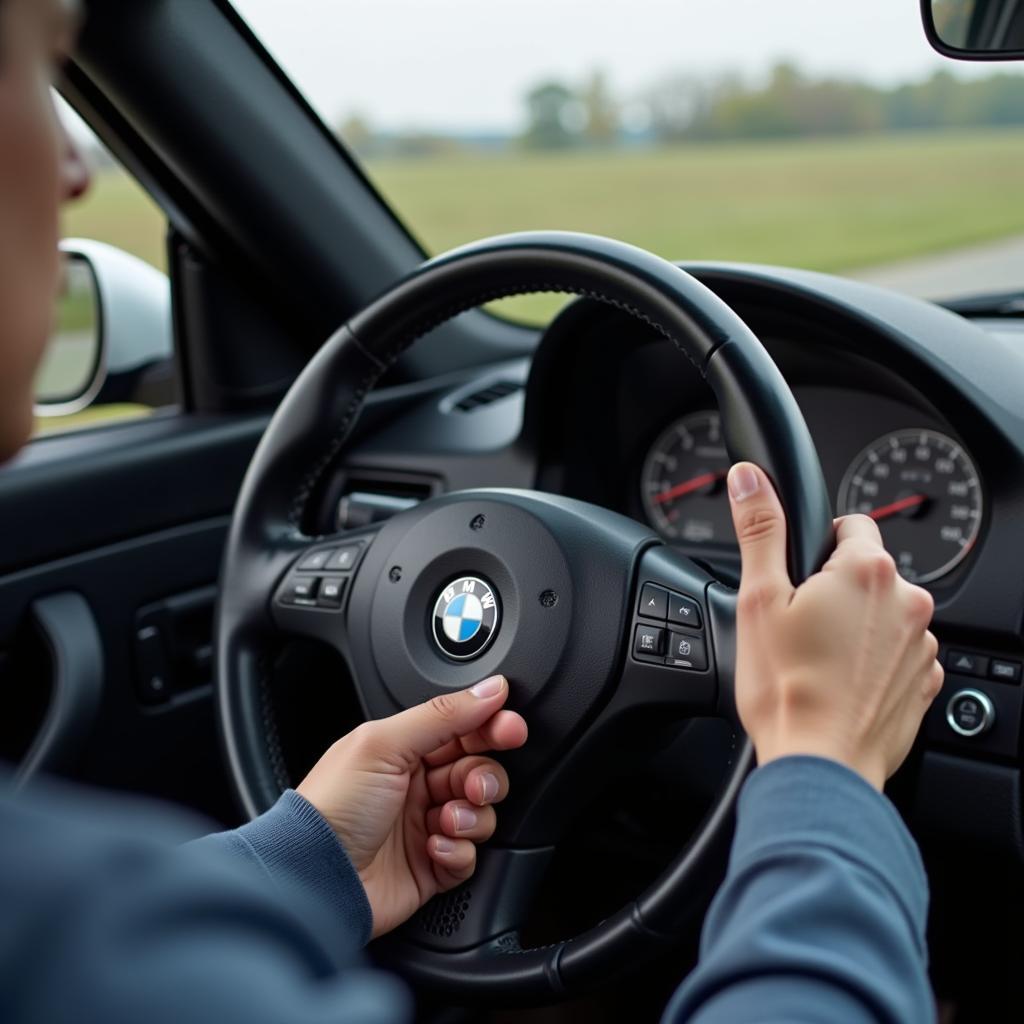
x,y
963,663
970,713
1005,671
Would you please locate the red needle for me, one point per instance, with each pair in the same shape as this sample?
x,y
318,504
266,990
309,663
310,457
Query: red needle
x,y
897,506
694,484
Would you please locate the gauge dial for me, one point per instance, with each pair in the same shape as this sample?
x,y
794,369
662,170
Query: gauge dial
x,y
924,492
683,482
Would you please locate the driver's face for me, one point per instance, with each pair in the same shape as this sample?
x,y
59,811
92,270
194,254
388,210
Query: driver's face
x,y
39,169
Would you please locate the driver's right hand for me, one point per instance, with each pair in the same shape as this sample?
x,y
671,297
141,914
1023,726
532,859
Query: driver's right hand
x,y
842,666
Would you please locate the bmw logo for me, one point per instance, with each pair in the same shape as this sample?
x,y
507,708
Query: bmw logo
x,y
466,617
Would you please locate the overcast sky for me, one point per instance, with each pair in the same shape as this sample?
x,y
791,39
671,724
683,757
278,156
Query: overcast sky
x,y
465,64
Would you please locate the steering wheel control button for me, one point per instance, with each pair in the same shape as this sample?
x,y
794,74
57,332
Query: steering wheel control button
x,y
316,560
970,713
1004,671
683,611
300,590
332,590
344,559
649,641
653,602
466,617
962,663
686,651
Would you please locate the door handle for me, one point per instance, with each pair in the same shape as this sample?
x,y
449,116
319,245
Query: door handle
x,y
66,623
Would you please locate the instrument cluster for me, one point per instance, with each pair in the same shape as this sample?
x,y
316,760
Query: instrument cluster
x,y
919,484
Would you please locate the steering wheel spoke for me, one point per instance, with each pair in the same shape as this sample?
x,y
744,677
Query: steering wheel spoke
x,y
671,659
487,911
310,597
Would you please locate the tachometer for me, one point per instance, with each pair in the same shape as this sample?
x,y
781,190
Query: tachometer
x,y
683,482
922,489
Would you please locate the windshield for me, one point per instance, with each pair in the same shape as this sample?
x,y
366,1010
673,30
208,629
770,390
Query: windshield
x,y
819,135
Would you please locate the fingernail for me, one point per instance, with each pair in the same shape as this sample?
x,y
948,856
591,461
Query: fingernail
x,y
743,482
442,845
489,785
465,819
489,687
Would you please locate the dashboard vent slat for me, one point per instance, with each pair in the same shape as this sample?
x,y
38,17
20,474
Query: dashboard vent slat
x,y
491,393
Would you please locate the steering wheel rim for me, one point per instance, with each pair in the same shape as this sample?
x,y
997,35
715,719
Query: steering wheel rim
x,y
761,423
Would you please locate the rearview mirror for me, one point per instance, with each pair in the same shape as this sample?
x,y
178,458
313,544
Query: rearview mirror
x,y
975,29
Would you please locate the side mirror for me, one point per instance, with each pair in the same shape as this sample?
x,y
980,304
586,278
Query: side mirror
x,y
68,377
975,29
112,340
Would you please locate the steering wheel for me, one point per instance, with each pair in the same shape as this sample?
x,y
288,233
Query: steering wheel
x,y
592,618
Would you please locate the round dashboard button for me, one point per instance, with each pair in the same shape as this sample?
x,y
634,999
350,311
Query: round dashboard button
x,y
970,713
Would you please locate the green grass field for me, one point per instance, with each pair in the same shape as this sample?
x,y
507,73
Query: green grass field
x,y
833,204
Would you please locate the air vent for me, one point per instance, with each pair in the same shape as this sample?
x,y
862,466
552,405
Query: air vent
x,y
484,396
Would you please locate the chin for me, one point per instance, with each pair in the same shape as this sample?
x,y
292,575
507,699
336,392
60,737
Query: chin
x,y
16,425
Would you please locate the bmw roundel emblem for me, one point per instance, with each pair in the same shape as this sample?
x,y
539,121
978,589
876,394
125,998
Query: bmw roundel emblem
x,y
466,616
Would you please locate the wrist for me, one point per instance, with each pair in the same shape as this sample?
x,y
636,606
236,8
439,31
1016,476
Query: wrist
x,y
813,744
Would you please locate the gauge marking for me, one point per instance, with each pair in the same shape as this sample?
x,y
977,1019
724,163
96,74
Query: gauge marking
x,y
681,482
925,494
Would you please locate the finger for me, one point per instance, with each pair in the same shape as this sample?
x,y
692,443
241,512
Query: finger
x,y
428,727
921,607
933,680
485,784
459,819
761,530
454,860
857,527
505,731
478,779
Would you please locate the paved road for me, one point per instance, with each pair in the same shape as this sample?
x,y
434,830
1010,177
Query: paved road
x,y
994,267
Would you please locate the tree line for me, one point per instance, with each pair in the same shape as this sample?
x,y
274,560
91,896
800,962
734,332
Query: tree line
x,y
788,103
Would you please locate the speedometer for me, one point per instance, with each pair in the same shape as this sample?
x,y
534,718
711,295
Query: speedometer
x,y
683,482
922,489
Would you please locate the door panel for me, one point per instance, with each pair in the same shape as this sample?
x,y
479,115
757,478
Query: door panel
x,y
133,520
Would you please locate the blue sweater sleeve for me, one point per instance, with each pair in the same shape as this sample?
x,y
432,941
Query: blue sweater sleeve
x,y
108,918
298,850
821,917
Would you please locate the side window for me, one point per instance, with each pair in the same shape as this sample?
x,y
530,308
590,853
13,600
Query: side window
x,y
110,356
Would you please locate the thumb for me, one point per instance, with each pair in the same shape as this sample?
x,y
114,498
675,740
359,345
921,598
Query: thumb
x,y
761,530
429,726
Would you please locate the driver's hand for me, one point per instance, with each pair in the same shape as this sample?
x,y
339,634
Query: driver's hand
x,y
410,796
842,666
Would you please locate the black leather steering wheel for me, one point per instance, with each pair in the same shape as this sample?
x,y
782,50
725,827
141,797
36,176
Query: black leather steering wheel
x,y
543,588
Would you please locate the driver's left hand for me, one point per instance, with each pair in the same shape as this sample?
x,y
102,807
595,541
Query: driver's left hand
x,y
410,796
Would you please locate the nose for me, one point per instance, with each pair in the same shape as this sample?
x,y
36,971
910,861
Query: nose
x,y
75,175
